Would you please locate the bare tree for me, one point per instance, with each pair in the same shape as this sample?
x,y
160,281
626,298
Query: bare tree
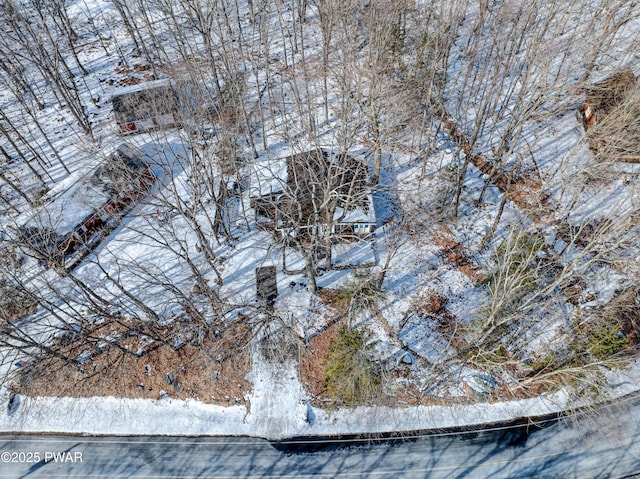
x,y
603,28
309,212
38,38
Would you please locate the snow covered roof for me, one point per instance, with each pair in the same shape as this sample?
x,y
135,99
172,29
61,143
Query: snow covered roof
x,y
364,214
138,87
66,211
349,178
86,194
268,176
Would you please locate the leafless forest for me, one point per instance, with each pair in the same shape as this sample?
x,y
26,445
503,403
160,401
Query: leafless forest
x,y
498,229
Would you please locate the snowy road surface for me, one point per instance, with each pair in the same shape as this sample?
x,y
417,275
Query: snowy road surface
x,y
604,446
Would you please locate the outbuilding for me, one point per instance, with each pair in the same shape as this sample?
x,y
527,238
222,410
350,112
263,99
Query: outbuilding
x,y
76,219
146,106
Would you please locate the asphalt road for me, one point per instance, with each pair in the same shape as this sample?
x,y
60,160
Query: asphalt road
x,y
606,445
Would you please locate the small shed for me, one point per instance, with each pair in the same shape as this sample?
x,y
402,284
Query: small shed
x,y
145,106
266,285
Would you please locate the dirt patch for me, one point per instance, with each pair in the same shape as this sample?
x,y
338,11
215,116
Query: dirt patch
x,y
12,309
586,234
134,75
212,370
137,68
312,375
312,360
455,253
431,304
526,192
336,300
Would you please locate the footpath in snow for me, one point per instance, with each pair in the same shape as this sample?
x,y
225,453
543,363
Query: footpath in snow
x,y
276,405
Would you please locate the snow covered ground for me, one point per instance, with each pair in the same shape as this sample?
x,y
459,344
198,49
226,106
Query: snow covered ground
x,y
278,409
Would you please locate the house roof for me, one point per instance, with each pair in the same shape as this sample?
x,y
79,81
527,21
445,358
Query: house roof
x,y
268,176
67,210
298,177
138,87
144,100
361,214
86,194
